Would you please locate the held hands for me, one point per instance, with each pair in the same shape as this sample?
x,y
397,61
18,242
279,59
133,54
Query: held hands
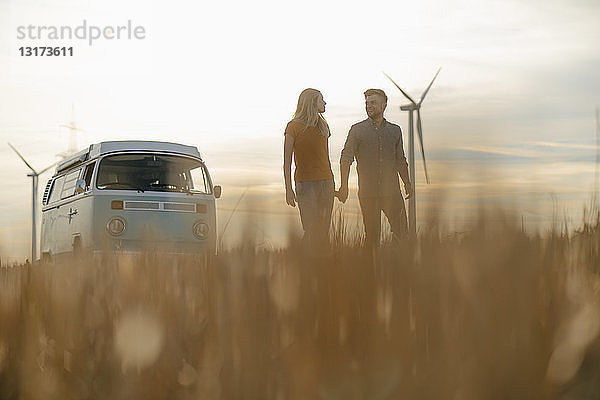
x,y
408,189
290,197
342,194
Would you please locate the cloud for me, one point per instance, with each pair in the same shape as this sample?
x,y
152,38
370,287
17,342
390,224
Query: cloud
x,y
565,145
512,152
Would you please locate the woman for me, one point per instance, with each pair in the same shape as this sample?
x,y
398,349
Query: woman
x,y
306,137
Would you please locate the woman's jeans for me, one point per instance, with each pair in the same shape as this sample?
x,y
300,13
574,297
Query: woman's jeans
x,y
315,201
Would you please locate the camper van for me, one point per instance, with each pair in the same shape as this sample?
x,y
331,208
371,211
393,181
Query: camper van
x,y
130,196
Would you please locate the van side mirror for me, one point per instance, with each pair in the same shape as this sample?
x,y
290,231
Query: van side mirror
x,y
80,186
217,191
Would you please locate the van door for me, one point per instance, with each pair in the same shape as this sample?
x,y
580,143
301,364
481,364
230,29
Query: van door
x,y
81,212
66,212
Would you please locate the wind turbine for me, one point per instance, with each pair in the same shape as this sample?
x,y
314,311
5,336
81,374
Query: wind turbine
x,y
414,106
73,129
34,194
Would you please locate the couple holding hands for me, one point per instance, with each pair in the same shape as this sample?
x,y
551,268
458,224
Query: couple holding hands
x,y
375,143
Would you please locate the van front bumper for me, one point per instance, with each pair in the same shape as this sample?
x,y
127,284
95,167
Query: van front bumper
x,y
142,246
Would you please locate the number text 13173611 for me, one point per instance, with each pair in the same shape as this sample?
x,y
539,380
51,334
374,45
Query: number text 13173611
x,y
45,51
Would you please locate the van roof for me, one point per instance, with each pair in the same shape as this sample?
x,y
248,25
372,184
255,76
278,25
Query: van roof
x,y
99,149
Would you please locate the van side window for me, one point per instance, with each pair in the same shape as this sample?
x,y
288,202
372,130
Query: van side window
x,y
56,189
69,185
47,192
87,175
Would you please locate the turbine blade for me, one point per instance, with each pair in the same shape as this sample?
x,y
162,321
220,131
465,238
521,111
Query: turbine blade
x,y
428,87
47,168
73,127
399,88
420,132
21,157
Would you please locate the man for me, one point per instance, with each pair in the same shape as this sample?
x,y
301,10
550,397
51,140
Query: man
x,y
376,144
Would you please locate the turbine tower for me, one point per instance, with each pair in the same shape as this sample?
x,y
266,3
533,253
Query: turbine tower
x,y
597,155
34,194
414,106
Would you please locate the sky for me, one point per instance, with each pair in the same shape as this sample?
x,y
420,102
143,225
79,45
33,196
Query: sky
x,y
510,118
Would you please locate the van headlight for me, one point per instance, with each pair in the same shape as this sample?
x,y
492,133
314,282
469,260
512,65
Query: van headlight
x,y
200,230
115,226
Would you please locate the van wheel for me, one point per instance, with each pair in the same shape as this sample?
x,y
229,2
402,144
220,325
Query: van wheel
x,y
77,246
208,257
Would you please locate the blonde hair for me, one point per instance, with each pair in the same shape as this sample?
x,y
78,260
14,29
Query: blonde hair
x,y
307,112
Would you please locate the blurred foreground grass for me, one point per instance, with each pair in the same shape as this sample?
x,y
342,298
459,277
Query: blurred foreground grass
x,y
488,314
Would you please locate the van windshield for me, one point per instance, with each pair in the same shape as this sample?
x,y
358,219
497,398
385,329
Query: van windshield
x,y
152,172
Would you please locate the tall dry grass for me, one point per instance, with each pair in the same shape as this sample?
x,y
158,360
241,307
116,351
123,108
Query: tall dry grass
x,y
490,313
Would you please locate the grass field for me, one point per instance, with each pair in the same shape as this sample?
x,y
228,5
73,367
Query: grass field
x,y
489,313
